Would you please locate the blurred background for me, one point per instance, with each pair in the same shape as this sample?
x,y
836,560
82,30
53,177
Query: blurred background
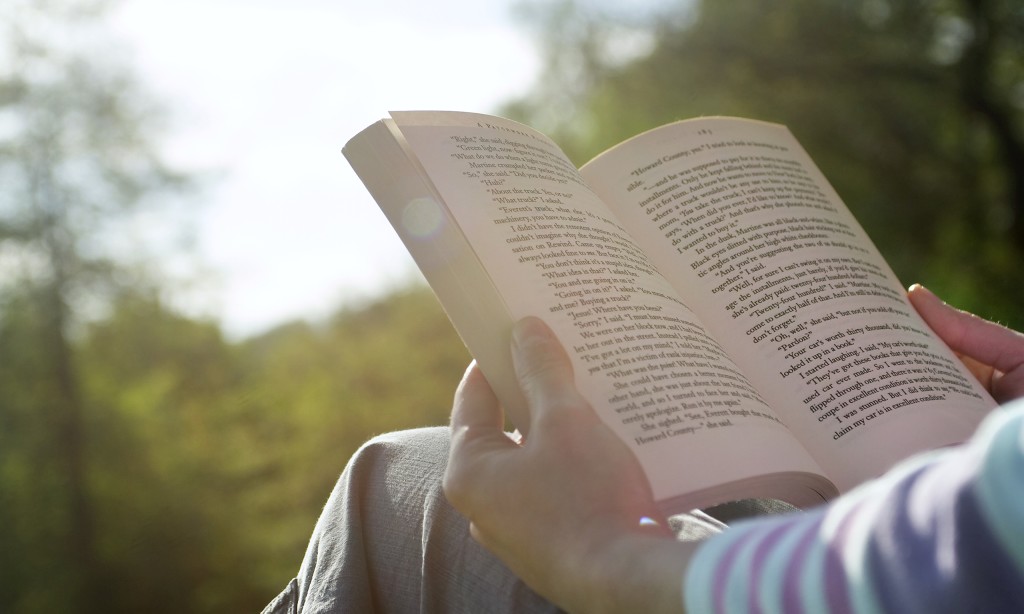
x,y
203,314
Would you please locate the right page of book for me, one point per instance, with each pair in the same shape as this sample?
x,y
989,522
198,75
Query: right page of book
x,y
740,220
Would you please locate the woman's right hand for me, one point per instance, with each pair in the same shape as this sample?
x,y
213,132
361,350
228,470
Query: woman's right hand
x,y
993,353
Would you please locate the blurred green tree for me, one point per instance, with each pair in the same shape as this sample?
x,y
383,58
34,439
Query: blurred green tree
x,y
172,451
321,392
146,463
77,158
211,460
912,109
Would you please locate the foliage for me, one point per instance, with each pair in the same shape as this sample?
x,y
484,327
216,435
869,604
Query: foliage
x,y
146,463
912,109
209,461
387,365
76,160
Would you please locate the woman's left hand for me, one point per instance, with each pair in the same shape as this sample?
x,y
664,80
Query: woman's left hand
x,y
562,509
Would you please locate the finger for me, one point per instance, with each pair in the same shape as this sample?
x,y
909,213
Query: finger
x,y
475,404
543,367
968,334
981,372
477,431
1008,386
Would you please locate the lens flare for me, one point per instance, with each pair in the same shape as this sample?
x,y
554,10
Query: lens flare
x,y
422,217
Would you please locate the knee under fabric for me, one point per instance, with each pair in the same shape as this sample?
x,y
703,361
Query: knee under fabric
x,y
388,541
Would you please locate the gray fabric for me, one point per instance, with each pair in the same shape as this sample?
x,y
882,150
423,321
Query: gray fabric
x,y
387,541
729,513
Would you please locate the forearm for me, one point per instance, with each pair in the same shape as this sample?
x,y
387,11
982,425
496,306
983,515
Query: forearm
x,y
938,533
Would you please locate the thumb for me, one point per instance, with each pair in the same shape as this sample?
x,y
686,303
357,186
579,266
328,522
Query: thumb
x,y
544,370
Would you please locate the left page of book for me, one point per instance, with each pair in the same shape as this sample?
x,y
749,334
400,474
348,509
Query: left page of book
x,y
395,179
539,242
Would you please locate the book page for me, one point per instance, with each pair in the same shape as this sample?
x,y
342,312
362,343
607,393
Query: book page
x,y
641,357
741,221
380,157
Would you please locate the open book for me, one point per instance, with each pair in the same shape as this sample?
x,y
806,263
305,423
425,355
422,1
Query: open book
x,y
726,315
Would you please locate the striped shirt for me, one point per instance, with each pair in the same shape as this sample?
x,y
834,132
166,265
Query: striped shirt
x,y
941,532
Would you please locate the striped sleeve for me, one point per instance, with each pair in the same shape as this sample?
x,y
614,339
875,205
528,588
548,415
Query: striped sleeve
x,y
941,532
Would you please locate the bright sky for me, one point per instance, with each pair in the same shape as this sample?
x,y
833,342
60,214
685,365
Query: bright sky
x,y
267,92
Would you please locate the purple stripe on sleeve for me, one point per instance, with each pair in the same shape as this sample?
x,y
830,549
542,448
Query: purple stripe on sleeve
x,y
721,577
757,561
792,602
934,551
837,588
